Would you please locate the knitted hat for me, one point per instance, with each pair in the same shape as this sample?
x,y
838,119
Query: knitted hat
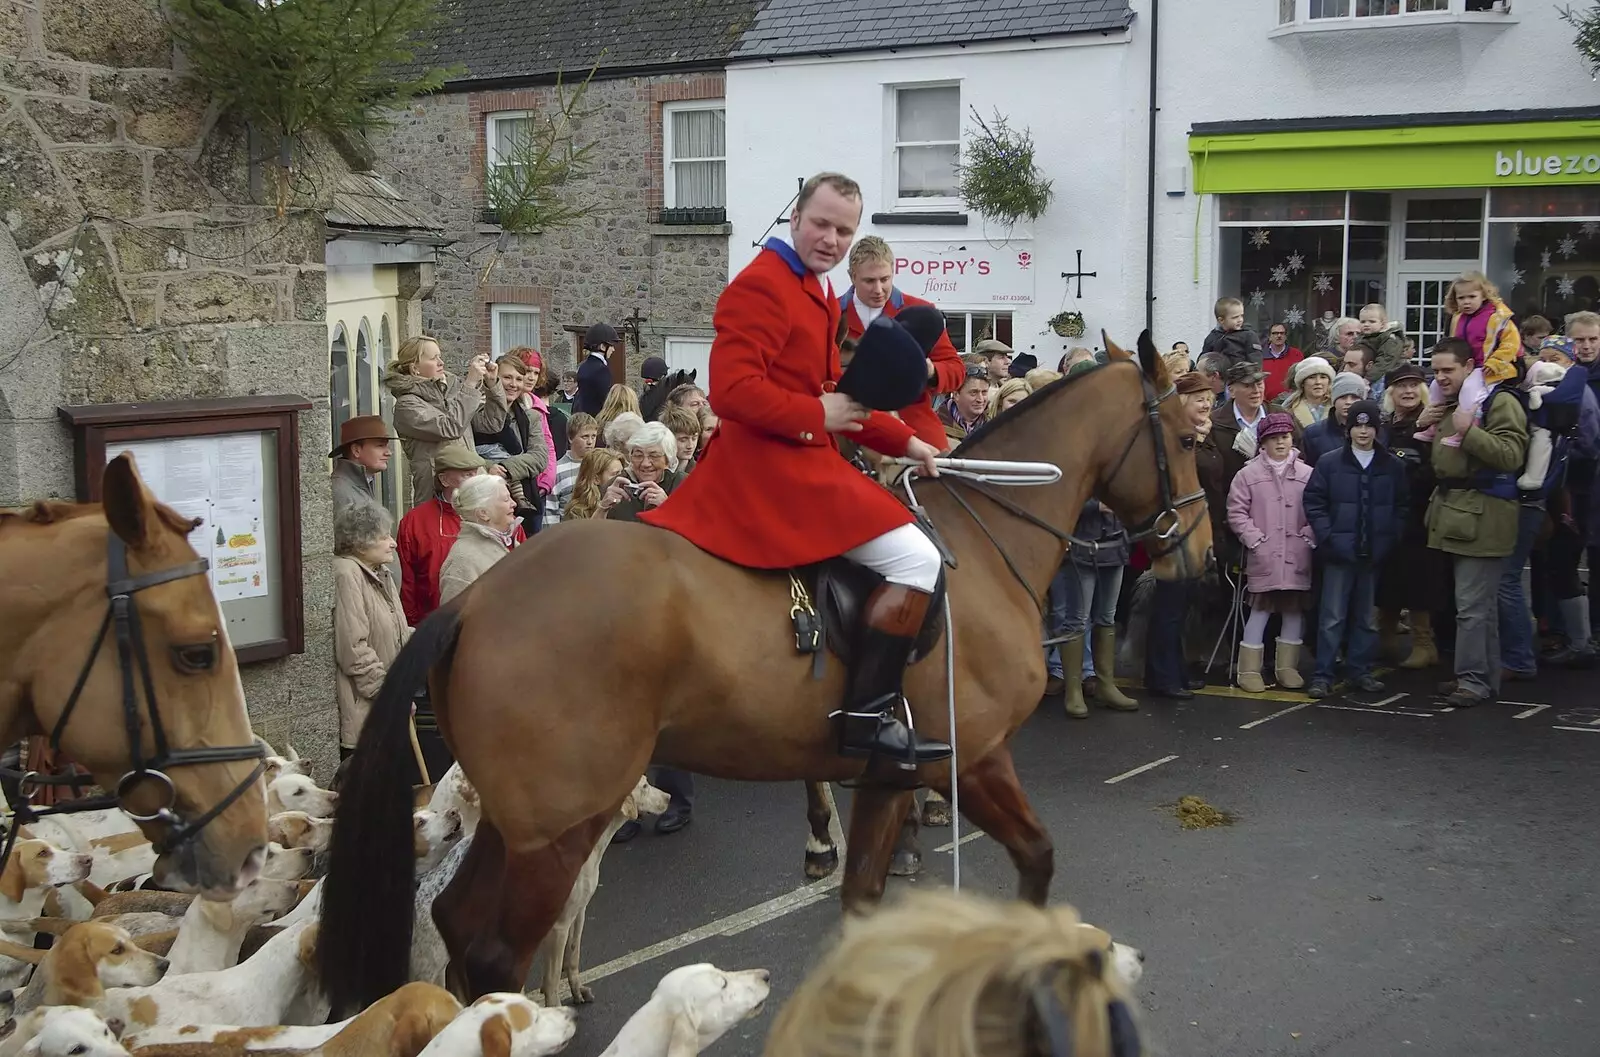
x,y
1349,384
1274,424
1310,368
1364,413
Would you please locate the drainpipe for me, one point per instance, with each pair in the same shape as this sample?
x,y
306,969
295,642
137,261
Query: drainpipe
x,y
1150,187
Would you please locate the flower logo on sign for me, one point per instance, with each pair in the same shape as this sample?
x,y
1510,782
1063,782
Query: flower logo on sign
x,y
1024,259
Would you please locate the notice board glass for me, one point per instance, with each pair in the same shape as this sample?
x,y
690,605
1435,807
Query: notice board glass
x,y
234,464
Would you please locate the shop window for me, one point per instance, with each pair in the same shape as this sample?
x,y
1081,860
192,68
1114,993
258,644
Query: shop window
x,y
1290,275
1546,203
927,144
1423,311
1548,268
338,380
1444,229
695,139
1367,268
966,329
1288,208
511,326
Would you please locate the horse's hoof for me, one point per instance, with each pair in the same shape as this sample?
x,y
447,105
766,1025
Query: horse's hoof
x,y
936,813
905,864
820,864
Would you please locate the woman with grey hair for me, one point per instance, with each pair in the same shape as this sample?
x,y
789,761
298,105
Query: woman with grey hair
x,y
369,625
651,475
620,430
488,524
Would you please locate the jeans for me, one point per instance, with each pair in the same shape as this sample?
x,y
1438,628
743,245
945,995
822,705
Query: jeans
x,y
1099,588
1346,599
1062,601
1478,625
1516,622
1163,646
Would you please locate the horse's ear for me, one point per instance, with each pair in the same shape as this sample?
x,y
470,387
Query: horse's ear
x,y
1151,362
128,504
1113,350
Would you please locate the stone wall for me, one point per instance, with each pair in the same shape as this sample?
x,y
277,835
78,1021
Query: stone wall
x,y
137,267
601,267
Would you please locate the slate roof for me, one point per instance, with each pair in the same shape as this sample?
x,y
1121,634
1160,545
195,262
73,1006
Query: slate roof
x,y
368,202
512,41
811,27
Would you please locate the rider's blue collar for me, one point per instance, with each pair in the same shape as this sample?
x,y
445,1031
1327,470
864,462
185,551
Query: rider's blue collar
x,y
790,256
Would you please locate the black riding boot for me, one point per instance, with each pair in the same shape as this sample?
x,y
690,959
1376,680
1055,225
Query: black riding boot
x,y
869,724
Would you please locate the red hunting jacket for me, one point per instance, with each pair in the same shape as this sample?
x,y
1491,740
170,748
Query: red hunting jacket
x,y
771,490
948,371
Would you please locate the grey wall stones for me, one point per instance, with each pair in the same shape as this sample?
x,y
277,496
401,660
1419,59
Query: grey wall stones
x,y
135,265
600,268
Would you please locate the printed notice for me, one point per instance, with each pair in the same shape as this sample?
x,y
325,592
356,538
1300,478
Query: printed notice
x,y
221,481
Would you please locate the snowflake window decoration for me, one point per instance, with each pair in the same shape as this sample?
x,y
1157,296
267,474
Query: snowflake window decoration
x,y
1280,275
1294,317
1590,229
1297,261
1544,259
1516,234
1566,286
1258,298
1516,277
1568,247
1322,283
1260,237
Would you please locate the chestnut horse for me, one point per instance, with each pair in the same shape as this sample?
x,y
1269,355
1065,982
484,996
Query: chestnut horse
x,y
726,694
111,643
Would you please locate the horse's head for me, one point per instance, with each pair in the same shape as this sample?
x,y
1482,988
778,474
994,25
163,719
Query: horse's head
x,y
200,799
1155,487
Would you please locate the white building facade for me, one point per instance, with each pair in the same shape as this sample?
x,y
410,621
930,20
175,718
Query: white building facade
x,y
1310,156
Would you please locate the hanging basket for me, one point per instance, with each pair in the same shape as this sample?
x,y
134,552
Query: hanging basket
x,y
1067,324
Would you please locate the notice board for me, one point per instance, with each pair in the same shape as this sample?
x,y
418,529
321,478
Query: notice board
x,y
233,464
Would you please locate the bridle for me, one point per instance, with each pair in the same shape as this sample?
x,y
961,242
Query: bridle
x,y
122,616
1165,525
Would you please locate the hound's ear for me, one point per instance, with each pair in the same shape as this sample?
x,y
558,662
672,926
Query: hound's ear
x,y
13,880
494,1038
1113,350
128,504
685,1041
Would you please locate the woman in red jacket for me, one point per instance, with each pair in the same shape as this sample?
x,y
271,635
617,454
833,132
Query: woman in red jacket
x,y
774,368
872,293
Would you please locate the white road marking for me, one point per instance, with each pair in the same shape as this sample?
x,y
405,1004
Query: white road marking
x,y
1385,711
1282,712
1531,710
1152,765
1580,730
1388,701
969,838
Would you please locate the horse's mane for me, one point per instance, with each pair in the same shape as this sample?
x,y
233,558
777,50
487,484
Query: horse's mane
x,y
46,512
1032,402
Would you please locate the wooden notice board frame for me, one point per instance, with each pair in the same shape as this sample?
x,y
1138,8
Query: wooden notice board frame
x,y
98,428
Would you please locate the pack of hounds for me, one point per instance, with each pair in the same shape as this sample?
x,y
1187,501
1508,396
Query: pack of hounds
x,y
98,964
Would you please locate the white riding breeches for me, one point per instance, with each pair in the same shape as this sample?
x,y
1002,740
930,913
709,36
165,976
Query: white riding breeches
x,y
903,556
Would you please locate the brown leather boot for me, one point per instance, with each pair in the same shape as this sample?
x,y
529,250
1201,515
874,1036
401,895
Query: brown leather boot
x,y
868,725
1424,653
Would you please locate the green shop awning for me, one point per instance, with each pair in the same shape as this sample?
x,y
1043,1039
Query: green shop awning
x,y
1293,157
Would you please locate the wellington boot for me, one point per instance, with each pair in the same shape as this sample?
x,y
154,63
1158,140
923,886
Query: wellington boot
x,y
1390,648
1250,669
1072,676
1286,665
1105,666
1424,652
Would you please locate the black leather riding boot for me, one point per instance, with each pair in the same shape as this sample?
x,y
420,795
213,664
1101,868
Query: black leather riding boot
x,y
869,724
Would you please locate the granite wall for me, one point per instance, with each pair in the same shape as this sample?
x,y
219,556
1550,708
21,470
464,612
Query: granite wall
x,y
138,264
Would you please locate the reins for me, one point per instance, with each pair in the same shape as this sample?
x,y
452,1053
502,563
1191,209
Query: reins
x,y
122,618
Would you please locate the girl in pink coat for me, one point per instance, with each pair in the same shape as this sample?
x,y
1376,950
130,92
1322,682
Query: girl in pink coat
x,y
1266,512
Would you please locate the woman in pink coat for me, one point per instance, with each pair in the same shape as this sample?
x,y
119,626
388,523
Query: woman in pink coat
x,y
1266,512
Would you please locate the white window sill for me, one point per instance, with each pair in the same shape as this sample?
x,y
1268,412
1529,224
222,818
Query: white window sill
x,y
1431,18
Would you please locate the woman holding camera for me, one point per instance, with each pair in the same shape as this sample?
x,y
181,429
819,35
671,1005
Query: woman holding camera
x,y
651,475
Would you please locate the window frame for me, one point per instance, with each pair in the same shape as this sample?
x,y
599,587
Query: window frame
x,y
1299,12
491,137
934,204
496,309
668,184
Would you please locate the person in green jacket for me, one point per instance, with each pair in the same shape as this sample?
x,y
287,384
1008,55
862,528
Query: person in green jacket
x,y
1472,515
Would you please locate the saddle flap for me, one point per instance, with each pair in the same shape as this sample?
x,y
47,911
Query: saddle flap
x,y
841,588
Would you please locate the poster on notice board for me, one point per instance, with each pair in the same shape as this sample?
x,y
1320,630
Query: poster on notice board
x,y
219,479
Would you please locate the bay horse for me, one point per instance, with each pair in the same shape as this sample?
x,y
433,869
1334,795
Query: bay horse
x,y
112,643
726,694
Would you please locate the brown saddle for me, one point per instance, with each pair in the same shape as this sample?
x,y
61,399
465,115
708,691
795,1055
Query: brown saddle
x,y
839,589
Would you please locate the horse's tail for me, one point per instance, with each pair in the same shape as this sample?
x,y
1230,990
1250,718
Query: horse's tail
x,y
364,943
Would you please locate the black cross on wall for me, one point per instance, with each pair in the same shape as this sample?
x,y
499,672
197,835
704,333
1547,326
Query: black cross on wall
x,y
1080,274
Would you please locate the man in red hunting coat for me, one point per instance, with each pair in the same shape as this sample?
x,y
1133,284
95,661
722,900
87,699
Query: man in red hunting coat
x,y
773,492
872,293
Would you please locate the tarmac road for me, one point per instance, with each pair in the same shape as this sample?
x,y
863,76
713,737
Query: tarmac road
x,y
1398,880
